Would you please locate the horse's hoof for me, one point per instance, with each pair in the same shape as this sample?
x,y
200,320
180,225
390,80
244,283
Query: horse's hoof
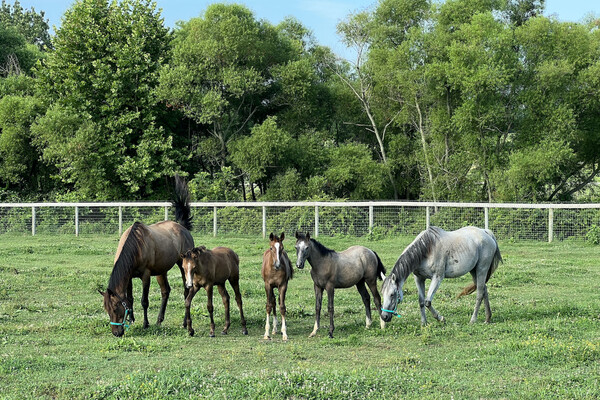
x,y
224,333
245,331
212,334
285,338
442,320
331,336
266,337
191,332
312,335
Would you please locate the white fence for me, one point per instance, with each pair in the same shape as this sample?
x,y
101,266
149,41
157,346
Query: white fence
x,y
508,221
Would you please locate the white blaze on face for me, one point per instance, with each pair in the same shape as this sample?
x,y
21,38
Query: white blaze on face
x,y
301,248
188,267
277,261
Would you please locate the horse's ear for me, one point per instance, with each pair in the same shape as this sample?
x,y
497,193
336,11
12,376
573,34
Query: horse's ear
x,y
101,292
271,236
307,236
393,277
297,235
282,236
110,292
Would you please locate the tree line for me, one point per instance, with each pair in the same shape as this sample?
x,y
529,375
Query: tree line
x,y
469,100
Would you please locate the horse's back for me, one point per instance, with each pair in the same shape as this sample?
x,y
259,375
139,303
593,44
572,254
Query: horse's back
x,y
226,262
354,264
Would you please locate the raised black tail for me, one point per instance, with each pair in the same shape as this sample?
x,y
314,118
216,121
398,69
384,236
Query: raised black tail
x,y
181,202
380,268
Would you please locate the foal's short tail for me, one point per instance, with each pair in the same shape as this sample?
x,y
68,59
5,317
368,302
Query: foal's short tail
x,y
473,287
380,268
181,202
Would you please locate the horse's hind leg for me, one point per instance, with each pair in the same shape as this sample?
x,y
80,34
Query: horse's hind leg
x,y
488,310
366,300
330,294
165,290
238,299
225,297
210,308
481,294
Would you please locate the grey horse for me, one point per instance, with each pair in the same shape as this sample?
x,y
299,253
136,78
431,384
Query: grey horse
x,y
330,270
436,254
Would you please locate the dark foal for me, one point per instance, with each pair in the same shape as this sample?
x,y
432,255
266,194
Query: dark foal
x,y
207,268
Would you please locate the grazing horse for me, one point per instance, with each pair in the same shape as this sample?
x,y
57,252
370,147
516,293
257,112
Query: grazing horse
x,y
206,268
356,265
436,254
276,272
145,251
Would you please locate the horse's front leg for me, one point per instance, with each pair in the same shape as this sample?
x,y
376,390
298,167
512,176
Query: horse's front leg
x,y
187,319
420,282
210,308
330,292
185,289
268,307
436,280
318,301
282,309
225,297
145,290
130,298
165,290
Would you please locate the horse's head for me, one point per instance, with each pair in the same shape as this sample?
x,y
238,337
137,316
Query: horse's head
x,y
189,262
119,311
302,248
276,249
391,295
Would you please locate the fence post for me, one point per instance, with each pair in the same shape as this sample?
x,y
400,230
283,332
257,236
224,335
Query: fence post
x,y
316,221
76,221
166,213
264,224
370,219
427,216
550,225
215,221
32,221
120,220
486,213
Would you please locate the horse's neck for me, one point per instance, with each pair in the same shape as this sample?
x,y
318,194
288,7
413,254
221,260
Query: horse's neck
x,y
315,258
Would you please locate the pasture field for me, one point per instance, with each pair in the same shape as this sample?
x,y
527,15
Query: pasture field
x,y
55,341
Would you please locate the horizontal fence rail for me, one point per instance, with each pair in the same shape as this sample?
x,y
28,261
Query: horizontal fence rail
x,y
509,221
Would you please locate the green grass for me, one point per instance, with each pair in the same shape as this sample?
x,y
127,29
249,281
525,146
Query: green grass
x,y
55,341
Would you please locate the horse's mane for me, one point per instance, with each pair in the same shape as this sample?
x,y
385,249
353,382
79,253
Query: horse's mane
x,y
321,248
128,256
412,256
289,270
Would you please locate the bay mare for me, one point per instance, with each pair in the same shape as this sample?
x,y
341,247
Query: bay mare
x,y
145,251
356,265
207,268
276,272
436,254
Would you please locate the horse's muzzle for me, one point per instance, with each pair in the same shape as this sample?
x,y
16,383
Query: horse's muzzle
x,y
386,317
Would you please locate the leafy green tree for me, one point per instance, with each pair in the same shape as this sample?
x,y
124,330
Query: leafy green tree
x,y
220,74
103,129
29,23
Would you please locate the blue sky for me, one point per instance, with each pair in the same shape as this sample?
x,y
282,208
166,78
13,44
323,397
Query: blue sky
x,y
321,16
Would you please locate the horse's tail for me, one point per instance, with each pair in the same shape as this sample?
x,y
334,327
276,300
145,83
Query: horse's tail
x,y
181,202
495,261
380,268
